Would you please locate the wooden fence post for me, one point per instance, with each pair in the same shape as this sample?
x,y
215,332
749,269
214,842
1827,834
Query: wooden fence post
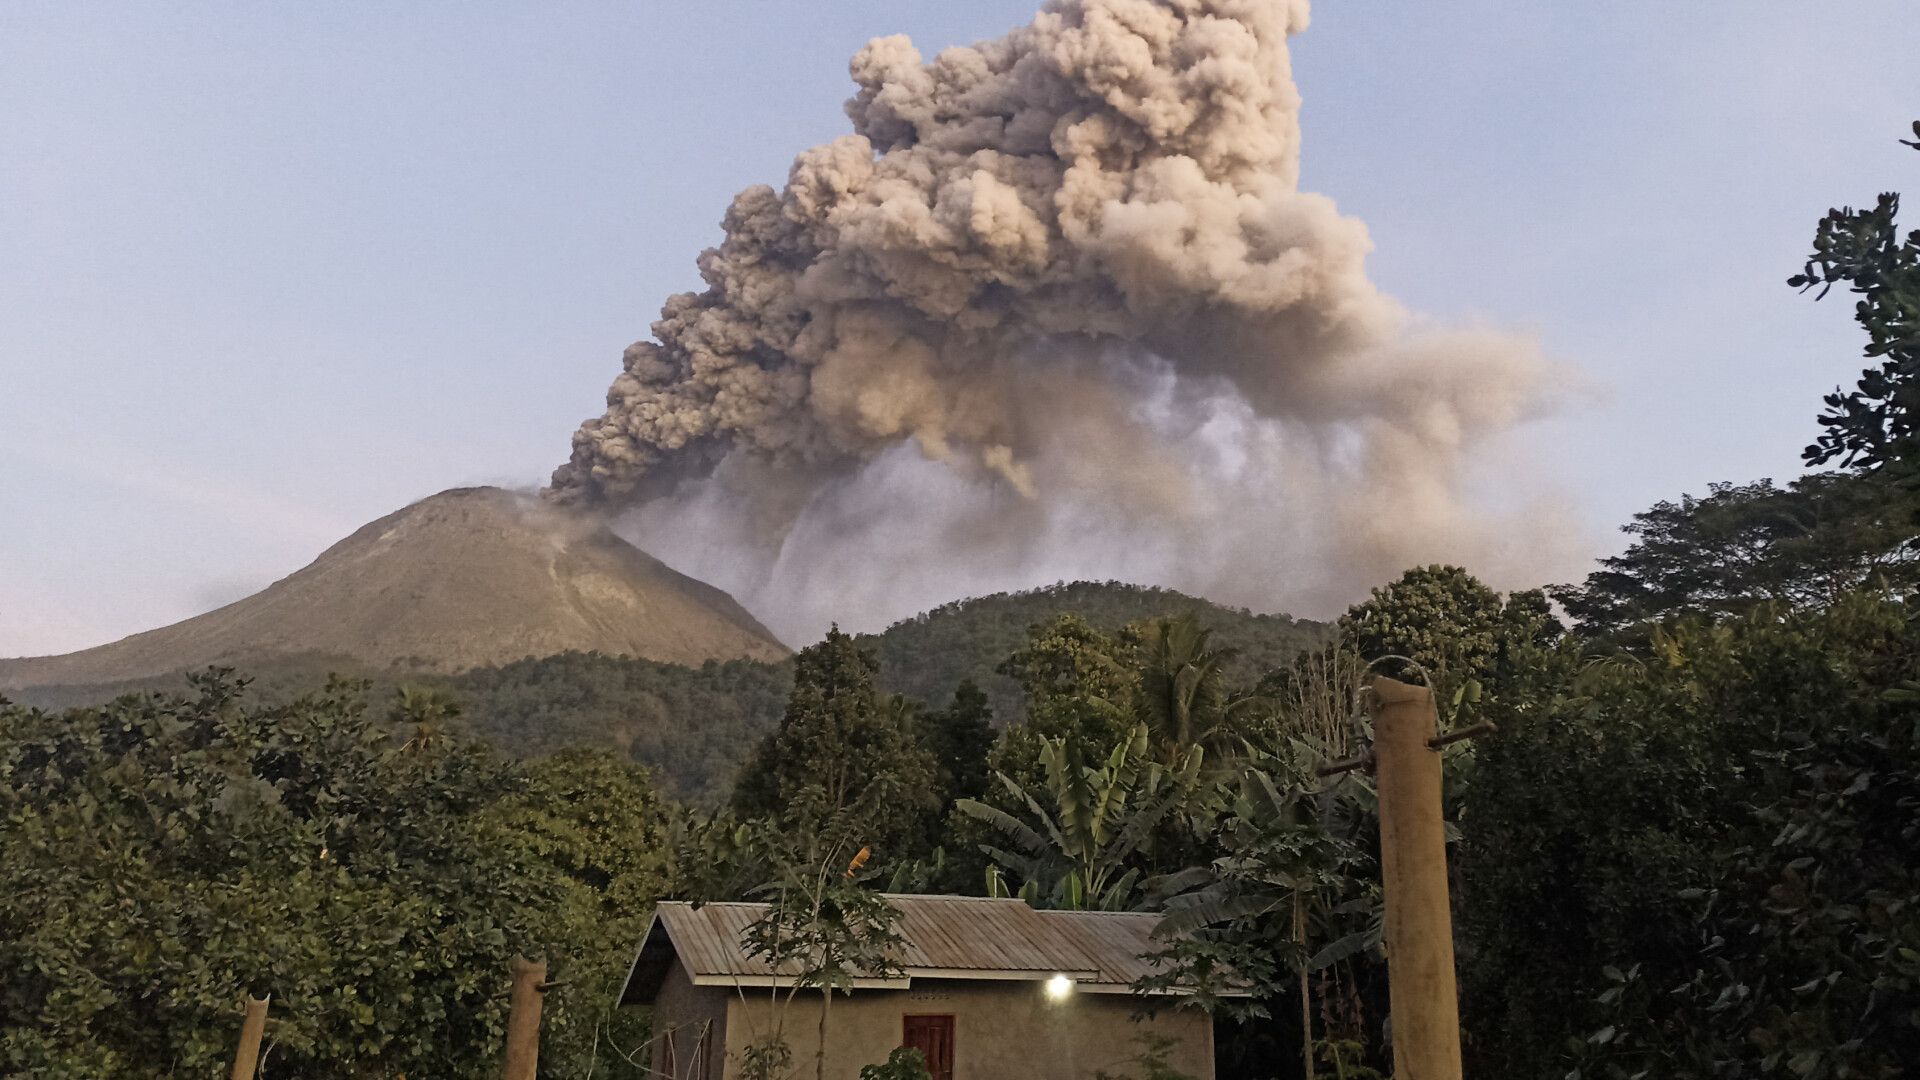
x,y
523,1018
246,1062
1413,861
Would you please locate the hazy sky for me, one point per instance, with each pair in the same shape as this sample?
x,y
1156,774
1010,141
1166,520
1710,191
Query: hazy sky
x,y
269,271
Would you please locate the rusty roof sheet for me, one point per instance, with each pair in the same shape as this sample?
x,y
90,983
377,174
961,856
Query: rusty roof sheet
x,y
964,937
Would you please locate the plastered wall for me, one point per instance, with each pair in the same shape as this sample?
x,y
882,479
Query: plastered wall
x,y
1002,1030
687,1010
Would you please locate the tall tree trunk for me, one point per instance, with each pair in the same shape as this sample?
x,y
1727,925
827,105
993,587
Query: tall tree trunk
x,y
1306,1002
820,1054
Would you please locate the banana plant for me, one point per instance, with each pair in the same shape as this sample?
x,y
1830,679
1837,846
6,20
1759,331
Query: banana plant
x,y
1094,819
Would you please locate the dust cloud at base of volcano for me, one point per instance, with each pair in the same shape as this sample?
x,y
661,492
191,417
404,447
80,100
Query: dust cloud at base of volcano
x,y
1058,309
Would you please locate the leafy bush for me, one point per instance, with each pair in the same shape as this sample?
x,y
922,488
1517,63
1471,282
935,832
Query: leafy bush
x,y
161,857
1698,862
905,1063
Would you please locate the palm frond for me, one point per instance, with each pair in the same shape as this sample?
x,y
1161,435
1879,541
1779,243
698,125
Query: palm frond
x,y
1214,912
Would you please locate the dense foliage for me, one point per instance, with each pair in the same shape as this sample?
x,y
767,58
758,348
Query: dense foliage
x,y
929,655
695,726
1877,426
841,749
1699,861
161,856
1688,853
1745,545
1439,624
692,726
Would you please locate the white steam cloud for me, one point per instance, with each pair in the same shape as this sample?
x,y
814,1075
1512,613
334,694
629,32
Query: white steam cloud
x,y
1056,309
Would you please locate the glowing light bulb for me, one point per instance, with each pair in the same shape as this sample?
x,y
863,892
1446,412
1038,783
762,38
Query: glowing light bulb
x,y
1059,987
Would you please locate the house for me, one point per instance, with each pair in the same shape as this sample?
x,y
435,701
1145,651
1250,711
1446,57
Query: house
x,y
990,989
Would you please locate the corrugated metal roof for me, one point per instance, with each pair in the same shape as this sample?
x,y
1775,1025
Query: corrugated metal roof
x,y
1115,941
971,933
953,937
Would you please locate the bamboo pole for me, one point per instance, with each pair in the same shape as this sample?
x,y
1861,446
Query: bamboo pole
x,y
246,1062
1413,857
523,1019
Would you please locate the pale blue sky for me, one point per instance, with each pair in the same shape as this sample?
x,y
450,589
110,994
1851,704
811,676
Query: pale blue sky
x,y
271,270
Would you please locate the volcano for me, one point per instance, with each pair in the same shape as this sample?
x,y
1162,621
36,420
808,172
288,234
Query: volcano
x,y
463,579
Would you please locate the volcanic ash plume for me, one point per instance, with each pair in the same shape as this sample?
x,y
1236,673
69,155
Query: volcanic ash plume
x,y
1073,267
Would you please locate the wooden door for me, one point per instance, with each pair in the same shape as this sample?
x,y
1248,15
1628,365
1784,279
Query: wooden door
x,y
932,1035
703,1060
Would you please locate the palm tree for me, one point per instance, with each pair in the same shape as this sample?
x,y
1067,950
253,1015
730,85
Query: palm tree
x,y
1184,699
428,709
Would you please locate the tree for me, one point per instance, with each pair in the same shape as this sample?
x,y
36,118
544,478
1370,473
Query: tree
x,y
599,822
1699,863
1294,880
839,749
960,737
928,655
1443,619
1742,546
1079,683
1877,426
694,727
1311,699
161,856
1183,694
822,922
1094,822
423,705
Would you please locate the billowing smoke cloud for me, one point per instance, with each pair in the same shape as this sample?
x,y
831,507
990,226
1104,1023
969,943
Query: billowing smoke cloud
x,y
1056,308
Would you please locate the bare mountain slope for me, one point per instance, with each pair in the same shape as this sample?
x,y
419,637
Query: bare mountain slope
x,y
468,577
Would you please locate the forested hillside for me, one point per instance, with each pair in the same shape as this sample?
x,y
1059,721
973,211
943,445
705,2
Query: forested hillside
x,y
693,726
927,656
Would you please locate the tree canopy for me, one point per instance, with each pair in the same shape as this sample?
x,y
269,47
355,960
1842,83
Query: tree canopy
x,y
1701,864
1877,425
1800,547
1444,620
163,855
837,750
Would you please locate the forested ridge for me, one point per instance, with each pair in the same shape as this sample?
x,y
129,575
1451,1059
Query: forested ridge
x,y
931,654
695,725
1689,849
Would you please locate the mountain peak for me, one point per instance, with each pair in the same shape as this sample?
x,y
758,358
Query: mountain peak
x,y
468,577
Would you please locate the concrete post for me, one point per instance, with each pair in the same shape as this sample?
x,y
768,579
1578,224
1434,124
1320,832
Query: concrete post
x,y
523,1019
247,1061
1413,859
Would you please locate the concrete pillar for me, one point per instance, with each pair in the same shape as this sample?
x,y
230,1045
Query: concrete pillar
x,y
247,1061
1413,860
523,1019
